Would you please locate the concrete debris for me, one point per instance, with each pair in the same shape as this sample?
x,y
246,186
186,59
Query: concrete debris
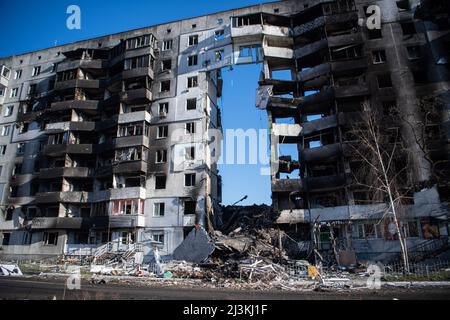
x,y
197,247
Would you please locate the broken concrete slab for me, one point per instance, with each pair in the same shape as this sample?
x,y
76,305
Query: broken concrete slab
x,y
197,247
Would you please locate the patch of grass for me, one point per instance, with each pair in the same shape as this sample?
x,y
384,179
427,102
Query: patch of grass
x,y
435,276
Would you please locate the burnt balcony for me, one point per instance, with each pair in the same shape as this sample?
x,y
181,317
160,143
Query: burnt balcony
x,y
137,73
130,167
78,83
42,223
58,150
131,141
327,153
324,20
67,172
357,90
136,96
83,105
332,67
64,197
52,128
314,184
82,64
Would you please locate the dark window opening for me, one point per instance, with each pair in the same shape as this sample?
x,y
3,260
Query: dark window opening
x,y
375,34
190,207
160,182
191,104
408,28
384,81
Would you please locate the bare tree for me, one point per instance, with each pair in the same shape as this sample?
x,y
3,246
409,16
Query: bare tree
x,y
377,151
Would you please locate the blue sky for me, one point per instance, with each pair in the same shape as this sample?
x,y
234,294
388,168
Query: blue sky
x,y
31,25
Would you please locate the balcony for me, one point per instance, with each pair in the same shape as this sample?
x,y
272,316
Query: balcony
x,y
278,52
75,104
62,149
136,96
327,153
65,197
127,193
134,117
127,221
83,64
138,73
43,223
70,126
247,33
67,172
276,31
131,167
286,131
324,123
78,83
131,141
334,66
313,184
323,20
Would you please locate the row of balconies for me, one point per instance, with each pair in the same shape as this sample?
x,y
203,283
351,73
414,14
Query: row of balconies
x,y
327,183
58,150
89,197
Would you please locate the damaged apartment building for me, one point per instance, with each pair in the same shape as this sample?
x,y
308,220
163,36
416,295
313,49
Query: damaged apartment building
x,y
107,141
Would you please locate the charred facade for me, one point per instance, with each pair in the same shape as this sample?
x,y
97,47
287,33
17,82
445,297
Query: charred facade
x,y
89,156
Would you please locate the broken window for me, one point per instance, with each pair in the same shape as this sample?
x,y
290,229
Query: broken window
x,y
162,132
67,75
50,238
167,45
137,62
192,82
192,60
8,111
9,214
165,86
23,128
411,229
160,182
378,56
414,52
14,92
219,35
158,209
32,89
420,77
6,130
193,40
134,129
26,240
131,154
190,207
403,5
161,156
219,54
191,104
6,238
253,19
390,108
189,180
139,42
374,34
36,71
384,81
163,109
408,28
2,150
189,153
190,128
158,236
166,64
346,52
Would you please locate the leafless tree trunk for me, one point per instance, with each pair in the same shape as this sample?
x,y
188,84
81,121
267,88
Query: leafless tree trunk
x,y
377,153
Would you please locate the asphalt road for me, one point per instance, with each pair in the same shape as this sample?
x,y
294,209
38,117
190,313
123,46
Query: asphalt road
x,y
54,289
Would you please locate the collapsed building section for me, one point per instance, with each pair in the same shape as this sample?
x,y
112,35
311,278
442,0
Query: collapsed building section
x,y
110,142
